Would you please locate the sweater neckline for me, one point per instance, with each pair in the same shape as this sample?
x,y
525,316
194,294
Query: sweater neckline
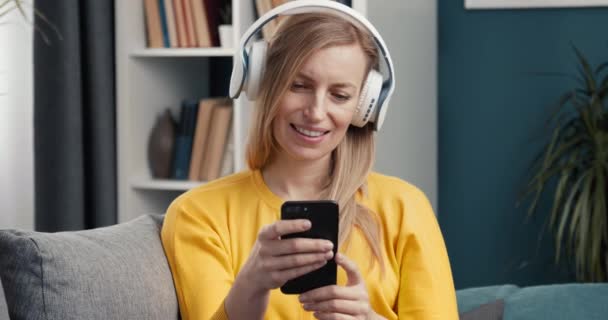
x,y
267,195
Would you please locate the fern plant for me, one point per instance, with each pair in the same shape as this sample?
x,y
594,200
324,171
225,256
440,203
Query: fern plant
x,y
576,159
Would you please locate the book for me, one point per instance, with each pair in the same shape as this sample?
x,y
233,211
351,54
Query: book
x,y
189,19
163,23
218,134
279,19
170,15
212,10
153,24
276,3
180,23
203,123
183,140
228,157
263,6
203,34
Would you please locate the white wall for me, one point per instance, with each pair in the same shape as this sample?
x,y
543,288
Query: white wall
x,y
16,124
407,144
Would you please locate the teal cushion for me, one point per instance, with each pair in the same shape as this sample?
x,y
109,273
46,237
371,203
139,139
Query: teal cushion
x,y
556,302
471,298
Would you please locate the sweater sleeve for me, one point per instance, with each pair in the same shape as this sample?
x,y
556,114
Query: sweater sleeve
x,y
426,286
196,247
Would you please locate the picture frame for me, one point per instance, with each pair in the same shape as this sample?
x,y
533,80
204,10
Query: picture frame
x,y
523,4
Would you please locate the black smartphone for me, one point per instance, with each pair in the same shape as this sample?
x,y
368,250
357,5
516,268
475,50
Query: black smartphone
x,y
324,217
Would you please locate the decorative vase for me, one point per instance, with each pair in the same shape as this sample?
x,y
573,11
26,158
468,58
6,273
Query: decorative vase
x,y
160,146
226,35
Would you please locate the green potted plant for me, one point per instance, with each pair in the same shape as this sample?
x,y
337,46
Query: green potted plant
x,y
574,167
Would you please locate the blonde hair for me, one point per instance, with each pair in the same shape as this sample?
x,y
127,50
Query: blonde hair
x,y
296,39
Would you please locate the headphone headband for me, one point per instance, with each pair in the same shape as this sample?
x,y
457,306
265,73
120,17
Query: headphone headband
x,y
310,6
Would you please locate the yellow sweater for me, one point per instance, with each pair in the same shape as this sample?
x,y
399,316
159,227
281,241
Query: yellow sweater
x,y
209,231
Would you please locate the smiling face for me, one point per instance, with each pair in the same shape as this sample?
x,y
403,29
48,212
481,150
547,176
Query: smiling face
x,y
316,110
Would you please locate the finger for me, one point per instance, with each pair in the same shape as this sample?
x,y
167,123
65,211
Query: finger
x,y
288,274
337,306
296,245
352,271
330,293
332,316
283,227
298,260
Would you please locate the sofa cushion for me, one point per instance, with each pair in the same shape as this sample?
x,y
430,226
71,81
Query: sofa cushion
x,y
489,311
471,298
116,272
556,302
3,308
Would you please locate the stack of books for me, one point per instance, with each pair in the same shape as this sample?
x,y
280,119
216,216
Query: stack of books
x,y
203,148
182,23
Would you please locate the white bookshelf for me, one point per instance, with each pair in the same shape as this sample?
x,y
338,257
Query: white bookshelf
x,y
150,80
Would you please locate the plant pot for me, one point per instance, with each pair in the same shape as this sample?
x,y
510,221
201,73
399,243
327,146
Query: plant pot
x,y
226,35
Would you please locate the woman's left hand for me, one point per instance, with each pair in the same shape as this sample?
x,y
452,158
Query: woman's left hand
x,y
341,302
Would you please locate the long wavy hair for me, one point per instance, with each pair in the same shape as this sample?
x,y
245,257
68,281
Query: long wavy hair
x,y
296,39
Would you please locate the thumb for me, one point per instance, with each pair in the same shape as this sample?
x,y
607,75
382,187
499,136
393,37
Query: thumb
x,y
352,271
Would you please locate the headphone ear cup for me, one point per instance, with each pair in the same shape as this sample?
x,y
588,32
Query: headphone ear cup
x,y
366,110
256,67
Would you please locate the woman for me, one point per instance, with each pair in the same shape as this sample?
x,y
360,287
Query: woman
x,y
223,239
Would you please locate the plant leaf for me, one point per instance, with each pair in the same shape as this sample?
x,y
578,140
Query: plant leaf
x,y
587,71
565,216
581,224
42,17
559,194
6,11
548,168
5,3
554,157
19,5
601,67
597,227
563,100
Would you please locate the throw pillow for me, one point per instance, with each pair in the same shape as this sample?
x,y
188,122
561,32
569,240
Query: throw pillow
x,y
488,311
116,272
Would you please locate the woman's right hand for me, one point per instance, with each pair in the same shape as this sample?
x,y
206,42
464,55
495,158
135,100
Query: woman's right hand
x,y
273,261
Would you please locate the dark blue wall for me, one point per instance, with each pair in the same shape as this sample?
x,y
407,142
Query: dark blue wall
x,y
490,119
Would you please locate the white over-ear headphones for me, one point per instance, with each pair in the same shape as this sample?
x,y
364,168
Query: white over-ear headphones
x,y
249,63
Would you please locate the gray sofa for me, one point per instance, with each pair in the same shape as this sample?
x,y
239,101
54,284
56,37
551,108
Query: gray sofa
x,y
121,272
3,307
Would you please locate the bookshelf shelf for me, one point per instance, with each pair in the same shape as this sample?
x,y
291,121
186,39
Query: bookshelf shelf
x,y
163,184
183,52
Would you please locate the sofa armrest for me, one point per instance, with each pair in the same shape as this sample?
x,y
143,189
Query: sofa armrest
x,y
3,307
